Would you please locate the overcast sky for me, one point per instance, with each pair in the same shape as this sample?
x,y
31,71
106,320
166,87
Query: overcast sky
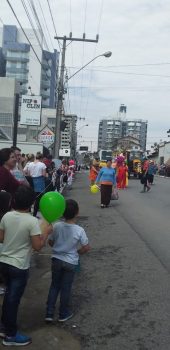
x,y
138,72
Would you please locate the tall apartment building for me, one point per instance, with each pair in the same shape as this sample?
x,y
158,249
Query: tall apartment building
x,y
111,130
18,60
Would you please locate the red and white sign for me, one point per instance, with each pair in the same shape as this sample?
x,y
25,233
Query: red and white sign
x,y
46,136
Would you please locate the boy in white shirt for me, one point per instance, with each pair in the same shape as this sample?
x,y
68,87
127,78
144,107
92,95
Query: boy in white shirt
x,y
65,239
19,233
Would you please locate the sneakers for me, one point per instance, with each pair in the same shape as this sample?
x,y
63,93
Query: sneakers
x,y
17,340
2,331
63,319
49,319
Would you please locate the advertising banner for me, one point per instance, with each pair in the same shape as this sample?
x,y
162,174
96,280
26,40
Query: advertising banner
x,y
30,110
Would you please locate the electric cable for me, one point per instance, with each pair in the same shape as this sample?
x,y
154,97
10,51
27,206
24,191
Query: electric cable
x,y
53,24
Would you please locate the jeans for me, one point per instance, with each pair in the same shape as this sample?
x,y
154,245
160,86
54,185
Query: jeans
x,y
16,280
62,279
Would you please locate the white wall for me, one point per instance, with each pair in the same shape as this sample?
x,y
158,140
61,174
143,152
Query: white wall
x,y
164,151
25,147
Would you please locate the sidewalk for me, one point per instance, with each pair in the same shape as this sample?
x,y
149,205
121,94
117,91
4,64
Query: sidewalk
x,y
121,295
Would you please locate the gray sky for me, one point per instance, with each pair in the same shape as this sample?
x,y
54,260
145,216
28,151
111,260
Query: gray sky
x,y
138,72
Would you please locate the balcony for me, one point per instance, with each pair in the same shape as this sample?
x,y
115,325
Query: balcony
x,y
45,84
16,70
17,59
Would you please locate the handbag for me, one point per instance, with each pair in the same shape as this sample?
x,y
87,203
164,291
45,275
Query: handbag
x,y
115,194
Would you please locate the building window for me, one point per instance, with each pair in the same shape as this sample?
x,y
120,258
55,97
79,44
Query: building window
x,y
131,123
6,118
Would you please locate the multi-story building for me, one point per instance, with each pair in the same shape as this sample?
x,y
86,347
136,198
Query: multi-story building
x,y
18,60
110,130
8,90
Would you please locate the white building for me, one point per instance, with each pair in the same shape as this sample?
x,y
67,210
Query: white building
x,y
9,87
36,73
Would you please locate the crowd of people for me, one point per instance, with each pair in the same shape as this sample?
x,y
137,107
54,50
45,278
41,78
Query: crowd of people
x,y
114,176
23,180
41,173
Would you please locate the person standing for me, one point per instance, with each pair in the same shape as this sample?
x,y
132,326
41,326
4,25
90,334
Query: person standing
x,y
37,170
65,240
8,182
107,178
19,233
17,172
94,170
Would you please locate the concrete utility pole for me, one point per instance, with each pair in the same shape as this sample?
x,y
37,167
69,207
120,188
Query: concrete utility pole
x,y
60,90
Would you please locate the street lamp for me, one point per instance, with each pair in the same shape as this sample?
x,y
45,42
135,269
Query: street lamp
x,y
82,127
60,98
105,54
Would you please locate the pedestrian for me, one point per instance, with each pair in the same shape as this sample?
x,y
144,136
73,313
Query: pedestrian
x,y
94,170
37,170
19,233
69,180
65,239
5,206
151,172
17,171
107,179
29,160
7,163
144,180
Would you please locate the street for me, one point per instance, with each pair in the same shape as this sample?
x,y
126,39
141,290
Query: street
x,y
121,297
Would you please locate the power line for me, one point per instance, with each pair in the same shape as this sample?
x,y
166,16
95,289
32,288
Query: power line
x,y
23,30
45,23
54,24
28,39
91,75
129,73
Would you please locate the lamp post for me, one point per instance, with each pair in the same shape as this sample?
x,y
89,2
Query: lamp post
x,y
60,94
105,54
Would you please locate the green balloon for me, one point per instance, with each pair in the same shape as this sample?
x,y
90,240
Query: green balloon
x,y
52,206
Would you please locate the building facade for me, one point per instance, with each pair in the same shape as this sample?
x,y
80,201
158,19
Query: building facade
x,y
9,87
18,60
111,130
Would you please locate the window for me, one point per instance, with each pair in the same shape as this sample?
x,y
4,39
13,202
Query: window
x,y
50,121
6,118
131,123
22,131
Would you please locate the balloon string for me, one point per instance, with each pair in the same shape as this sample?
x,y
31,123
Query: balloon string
x,y
43,190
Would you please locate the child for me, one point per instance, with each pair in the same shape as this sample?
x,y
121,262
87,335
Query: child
x,y
19,232
65,239
5,206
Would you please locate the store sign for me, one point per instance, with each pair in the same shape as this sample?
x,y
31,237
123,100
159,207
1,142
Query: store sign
x,y
46,136
30,110
65,152
84,148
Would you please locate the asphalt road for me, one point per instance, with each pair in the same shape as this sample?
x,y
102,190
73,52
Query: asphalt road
x,y
149,216
121,295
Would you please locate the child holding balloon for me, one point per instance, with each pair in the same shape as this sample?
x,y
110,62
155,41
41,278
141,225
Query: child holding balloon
x,y
65,239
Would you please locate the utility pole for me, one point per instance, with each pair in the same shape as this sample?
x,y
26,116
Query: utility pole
x,y
60,90
15,121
